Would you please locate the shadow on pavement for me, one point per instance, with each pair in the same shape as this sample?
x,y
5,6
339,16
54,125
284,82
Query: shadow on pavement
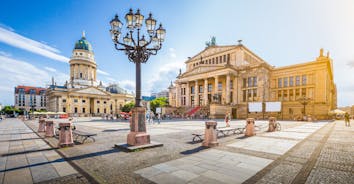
x,y
28,151
195,150
79,157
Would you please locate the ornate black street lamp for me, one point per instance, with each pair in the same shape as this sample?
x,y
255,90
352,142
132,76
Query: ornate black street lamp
x,y
138,50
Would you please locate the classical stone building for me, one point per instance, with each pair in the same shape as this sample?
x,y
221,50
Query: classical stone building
x,y
29,97
227,78
83,95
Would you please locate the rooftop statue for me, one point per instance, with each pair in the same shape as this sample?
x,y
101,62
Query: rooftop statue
x,y
212,42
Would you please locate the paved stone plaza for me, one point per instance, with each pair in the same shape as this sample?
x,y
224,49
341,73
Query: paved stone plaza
x,y
303,152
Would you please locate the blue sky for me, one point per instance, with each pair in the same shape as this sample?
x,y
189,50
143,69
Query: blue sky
x,y
37,37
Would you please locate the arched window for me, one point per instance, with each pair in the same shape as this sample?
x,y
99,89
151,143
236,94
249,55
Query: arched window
x,y
81,75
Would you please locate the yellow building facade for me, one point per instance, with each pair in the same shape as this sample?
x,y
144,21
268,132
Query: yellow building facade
x,y
227,78
83,95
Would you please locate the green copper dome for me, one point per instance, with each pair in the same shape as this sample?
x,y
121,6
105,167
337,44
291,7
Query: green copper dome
x,y
83,44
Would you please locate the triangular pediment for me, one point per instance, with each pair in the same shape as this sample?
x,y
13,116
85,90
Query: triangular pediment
x,y
209,51
92,91
201,69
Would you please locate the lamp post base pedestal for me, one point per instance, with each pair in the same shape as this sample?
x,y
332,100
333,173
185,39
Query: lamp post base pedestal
x,y
138,138
138,135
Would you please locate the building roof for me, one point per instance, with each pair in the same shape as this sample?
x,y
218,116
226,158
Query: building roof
x,y
28,88
83,44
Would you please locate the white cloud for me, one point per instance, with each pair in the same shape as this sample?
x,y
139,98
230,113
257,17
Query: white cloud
x,y
9,37
50,69
102,72
15,72
127,84
166,73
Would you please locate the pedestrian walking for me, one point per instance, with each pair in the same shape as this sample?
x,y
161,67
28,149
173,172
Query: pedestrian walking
x,y
151,118
227,119
158,118
347,119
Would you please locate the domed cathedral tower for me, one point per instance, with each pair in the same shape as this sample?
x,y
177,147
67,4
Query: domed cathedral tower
x,y
82,65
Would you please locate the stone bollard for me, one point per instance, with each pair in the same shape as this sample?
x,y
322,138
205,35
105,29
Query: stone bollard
x,y
65,135
271,127
250,127
49,129
211,135
41,127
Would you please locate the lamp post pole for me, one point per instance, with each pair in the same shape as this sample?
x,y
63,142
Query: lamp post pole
x,y
138,51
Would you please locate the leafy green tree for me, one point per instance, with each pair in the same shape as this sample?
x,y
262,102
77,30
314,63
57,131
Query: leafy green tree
x,y
158,102
128,107
10,110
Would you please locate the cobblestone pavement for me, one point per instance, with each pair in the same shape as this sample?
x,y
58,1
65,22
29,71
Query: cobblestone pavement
x,y
106,164
302,142
26,158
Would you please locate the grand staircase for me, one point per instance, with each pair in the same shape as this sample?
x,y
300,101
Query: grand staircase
x,y
193,111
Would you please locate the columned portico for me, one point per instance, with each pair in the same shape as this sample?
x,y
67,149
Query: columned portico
x,y
178,95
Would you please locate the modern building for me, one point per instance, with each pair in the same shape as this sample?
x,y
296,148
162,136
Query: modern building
x,y
30,98
83,95
228,78
163,93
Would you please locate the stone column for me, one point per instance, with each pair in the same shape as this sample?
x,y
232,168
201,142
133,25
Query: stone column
x,y
205,98
188,95
196,93
235,90
227,89
178,95
216,81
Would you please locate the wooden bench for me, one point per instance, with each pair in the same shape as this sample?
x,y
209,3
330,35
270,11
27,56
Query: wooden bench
x,y
83,135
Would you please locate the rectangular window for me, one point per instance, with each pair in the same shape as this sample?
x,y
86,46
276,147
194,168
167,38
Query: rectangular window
x,y
249,82
244,95
291,95
192,89
285,82
231,84
254,94
304,80
219,86
210,87
83,110
104,110
200,99
280,82
285,95
228,57
217,59
201,89
75,100
303,92
254,81
297,81
98,110
249,94
224,58
297,92
291,81
64,100
75,110
64,109
244,82
192,100
279,95
213,60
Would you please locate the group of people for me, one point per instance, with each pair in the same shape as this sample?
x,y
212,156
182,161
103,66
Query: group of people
x,y
150,117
